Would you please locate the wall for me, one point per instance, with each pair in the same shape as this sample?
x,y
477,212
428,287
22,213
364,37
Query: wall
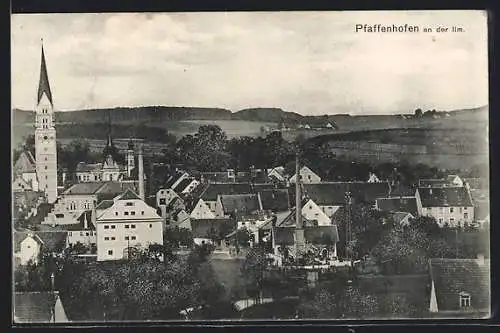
x,y
86,237
446,215
145,233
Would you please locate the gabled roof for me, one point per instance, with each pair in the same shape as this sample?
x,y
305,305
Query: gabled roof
x,y
104,204
401,204
113,188
183,184
454,276
290,221
128,195
201,227
333,194
25,163
402,191
84,167
53,241
239,203
398,217
213,190
20,236
36,307
84,188
275,200
319,235
216,177
445,197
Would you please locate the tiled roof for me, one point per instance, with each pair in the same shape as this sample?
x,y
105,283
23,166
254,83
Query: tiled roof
x,y
289,220
445,197
25,163
454,276
216,177
129,195
84,167
213,190
19,236
50,240
183,184
104,204
262,186
36,307
397,217
401,204
239,203
433,182
201,227
84,188
320,235
173,178
402,191
275,200
333,194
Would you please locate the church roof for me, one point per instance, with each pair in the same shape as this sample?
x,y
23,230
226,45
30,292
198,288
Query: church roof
x,y
43,84
25,163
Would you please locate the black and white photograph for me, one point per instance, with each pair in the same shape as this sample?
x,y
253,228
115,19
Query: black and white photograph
x,y
243,166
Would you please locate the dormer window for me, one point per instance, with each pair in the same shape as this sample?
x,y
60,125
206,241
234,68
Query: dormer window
x,y
464,300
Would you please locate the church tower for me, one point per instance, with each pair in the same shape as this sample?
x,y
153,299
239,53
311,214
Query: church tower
x,y
45,137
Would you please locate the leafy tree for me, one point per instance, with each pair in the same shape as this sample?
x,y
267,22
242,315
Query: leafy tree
x,y
254,266
243,237
418,113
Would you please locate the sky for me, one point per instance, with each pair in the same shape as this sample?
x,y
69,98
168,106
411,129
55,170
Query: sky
x,y
312,63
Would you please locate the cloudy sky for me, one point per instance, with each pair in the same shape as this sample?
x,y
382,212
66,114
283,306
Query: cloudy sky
x,y
306,62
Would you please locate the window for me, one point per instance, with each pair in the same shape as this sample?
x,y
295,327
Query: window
x,y
451,209
132,213
110,252
142,213
126,237
132,226
126,213
112,238
466,215
129,204
106,227
310,207
440,220
71,233
116,213
45,158
163,201
133,237
113,227
465,208
106,238
452,220
81,233
464,300
126,226
150,225
45,167
86,234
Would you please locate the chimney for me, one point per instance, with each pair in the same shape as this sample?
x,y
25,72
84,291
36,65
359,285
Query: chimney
x,y
141,173
299,231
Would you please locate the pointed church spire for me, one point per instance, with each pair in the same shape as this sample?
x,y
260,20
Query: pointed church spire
x,y
110,148
43,83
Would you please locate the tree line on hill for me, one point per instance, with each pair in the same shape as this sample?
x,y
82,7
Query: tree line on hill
x,y
210,150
